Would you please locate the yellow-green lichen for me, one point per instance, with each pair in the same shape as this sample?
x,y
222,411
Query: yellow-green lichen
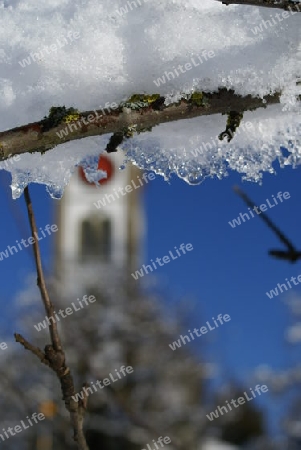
x,y
138,101
71,118
57,114
130,131
143,98
199,99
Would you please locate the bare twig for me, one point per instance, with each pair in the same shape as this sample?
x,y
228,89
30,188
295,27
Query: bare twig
x,y
46,134
291,254
40,278
35,350
53,355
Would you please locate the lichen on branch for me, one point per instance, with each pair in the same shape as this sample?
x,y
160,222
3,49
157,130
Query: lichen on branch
x,y
140,113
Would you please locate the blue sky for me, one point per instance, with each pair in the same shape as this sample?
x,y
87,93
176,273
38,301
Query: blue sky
x,y
228,271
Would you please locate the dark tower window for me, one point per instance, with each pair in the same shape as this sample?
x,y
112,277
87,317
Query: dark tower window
x,y
96,239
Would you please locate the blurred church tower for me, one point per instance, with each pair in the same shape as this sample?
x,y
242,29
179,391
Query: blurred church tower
x,y
92,244
102,237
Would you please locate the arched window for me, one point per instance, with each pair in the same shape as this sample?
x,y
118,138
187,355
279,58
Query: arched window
x,y
96,239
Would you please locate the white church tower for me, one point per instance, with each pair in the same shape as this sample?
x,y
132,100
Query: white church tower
x,y
99,229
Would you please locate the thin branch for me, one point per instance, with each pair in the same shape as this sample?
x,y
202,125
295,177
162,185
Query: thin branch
x,y
291,254
287,5
40,278
35,350
53,355
63,126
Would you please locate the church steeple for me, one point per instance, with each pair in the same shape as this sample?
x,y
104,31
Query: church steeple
x,y
99,225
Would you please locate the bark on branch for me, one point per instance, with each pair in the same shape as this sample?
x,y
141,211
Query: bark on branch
x,y
53,355
287,5
69,124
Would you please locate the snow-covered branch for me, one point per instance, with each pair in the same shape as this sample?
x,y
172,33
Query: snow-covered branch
x,y
63,125
288,5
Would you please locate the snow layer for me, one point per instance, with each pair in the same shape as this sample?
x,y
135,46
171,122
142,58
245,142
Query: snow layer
x,y
107,50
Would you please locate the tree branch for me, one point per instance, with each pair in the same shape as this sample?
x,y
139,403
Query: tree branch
x,y
40,275
291,253
63,125
35,350
53,355
287,5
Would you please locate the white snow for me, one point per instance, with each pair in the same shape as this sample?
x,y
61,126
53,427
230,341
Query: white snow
x,y
84,54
